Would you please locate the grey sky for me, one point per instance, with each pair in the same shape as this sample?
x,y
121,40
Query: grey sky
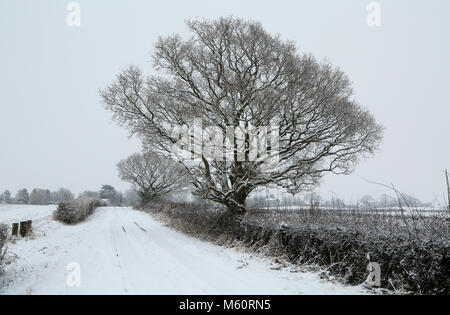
x,y
54,131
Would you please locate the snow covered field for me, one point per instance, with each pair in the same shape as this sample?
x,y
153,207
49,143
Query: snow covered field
x,y
395,211
15,213
122,251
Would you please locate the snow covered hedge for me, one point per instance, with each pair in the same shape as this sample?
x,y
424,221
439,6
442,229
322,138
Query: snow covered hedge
x,y
406,264
420,266
3,240
72,212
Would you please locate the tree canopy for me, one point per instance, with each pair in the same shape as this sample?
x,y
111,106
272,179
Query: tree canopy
x,y
231,72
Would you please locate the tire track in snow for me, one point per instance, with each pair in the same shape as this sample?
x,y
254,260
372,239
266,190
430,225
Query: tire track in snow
x,y
210,274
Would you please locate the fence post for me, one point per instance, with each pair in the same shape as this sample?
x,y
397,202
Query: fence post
x,y
15,229
29,226
23,228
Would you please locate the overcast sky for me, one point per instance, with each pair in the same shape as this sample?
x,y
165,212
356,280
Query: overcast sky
x,y
55,132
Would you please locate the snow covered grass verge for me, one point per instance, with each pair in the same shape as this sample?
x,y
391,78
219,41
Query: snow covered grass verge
x,y
409,263
72,212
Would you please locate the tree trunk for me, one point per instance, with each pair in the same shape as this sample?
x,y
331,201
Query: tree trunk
x,y
146,198
29,227
15,229
237,205
235,214
23,228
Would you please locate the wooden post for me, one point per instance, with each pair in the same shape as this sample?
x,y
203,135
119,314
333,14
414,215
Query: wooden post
x,y
23,228
29,227
15,229
448,189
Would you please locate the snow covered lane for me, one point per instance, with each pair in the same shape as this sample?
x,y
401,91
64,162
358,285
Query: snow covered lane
x,y
122,251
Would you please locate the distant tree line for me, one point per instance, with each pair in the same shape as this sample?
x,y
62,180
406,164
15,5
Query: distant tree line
x,y
39,196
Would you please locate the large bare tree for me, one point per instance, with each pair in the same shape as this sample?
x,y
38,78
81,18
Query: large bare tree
x,y
231,72
152,176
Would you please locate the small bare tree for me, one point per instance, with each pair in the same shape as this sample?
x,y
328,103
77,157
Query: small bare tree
x,y
231,72
152,175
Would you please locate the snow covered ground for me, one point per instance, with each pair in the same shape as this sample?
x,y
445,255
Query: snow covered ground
x,y
422,211
16,213
122,251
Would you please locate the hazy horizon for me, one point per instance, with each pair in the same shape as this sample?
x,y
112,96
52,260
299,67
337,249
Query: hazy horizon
x,y
56,133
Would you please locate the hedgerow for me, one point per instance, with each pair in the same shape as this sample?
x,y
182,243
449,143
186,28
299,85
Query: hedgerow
x,y
3,240
72,212
410,263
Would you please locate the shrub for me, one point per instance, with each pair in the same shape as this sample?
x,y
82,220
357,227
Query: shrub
x,y
3,240
72,212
